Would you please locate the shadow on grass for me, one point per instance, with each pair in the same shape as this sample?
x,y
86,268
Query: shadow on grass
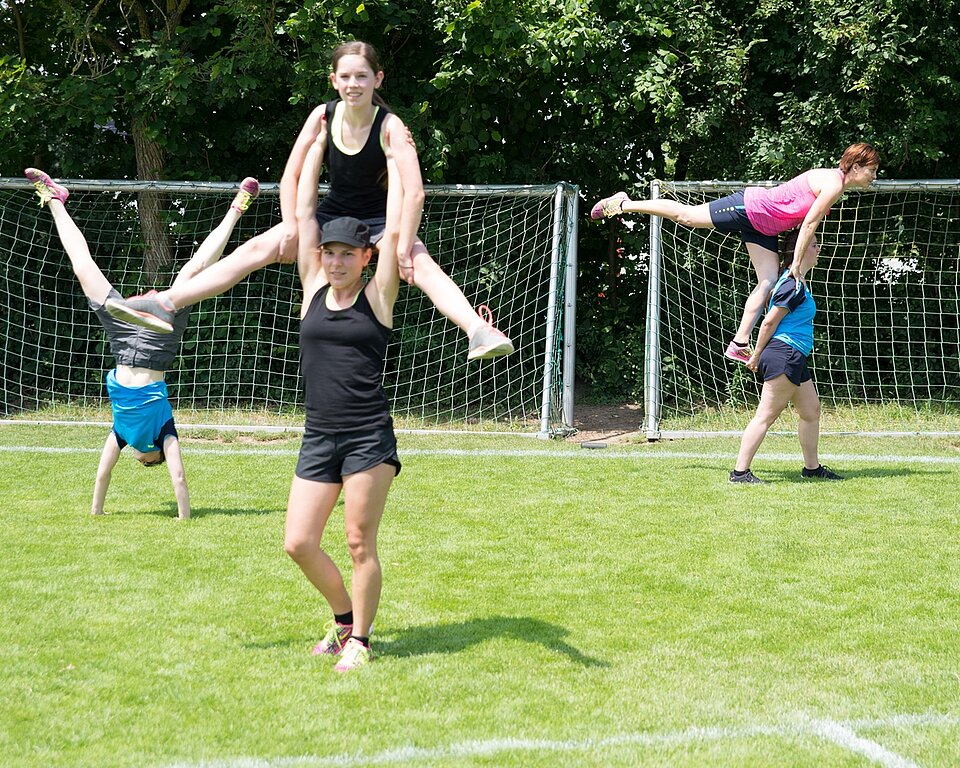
x,y
876,472
771,475
195,512
453,638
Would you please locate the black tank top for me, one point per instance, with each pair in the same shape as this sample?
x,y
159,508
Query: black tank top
x,y
358,183
341,358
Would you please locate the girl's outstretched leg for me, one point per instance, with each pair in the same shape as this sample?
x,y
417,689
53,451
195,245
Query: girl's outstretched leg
x,y
694,216
214,244
92,281
486,341
156,310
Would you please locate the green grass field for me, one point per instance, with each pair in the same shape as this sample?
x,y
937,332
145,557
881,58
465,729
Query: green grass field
x,y
544,605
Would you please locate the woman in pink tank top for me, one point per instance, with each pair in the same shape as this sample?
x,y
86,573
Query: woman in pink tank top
x,y
760,215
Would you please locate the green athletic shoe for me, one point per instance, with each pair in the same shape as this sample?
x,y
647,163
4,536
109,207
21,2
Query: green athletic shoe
x,y
147,311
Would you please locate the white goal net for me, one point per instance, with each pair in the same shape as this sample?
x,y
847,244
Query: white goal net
x,y
512,248
886,333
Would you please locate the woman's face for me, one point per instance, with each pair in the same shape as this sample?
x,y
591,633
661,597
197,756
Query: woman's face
x,y
355,81
343,264
812,256
862,175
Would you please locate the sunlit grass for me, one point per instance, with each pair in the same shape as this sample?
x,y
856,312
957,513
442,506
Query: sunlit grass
x,y
617,605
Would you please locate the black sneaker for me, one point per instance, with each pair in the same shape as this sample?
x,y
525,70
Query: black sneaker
x,y
147,311
820,473
746,477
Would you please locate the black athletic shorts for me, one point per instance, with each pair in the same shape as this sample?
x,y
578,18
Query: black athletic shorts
x,y
325,457
778,357
729,214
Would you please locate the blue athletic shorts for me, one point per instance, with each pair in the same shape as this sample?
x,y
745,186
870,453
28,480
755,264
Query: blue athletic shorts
x,y
778,357
325,457
729,214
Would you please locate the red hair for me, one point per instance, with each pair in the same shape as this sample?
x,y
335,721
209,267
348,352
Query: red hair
x,y
859,154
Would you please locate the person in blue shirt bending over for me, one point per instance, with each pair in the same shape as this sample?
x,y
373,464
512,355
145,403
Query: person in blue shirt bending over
x,y
780,357
142,416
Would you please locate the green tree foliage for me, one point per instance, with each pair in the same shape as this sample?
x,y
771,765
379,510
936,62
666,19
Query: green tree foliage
x,y
607,94
199,86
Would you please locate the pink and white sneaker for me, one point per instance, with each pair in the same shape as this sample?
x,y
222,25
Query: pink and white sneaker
x,y
737,352
609,206
353,656
249,189
47,188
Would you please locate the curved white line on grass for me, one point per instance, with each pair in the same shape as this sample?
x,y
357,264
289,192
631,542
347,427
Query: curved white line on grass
x,y
843,736
520,454
835,732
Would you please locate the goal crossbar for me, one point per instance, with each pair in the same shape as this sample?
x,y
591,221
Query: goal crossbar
x,y
510,247
887,340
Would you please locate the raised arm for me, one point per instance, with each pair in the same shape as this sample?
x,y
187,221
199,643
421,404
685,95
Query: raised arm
x,y
386,280
312,277
410,210
171,450
290,180
830,189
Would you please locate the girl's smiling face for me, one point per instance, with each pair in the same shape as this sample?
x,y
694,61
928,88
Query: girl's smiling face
x,y
355,81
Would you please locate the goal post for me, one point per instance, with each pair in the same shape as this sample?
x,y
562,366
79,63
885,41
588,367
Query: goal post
x,y
887,346
509,247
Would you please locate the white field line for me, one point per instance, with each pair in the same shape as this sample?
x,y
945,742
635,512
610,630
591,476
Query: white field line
x,y
639,455
844,737
666,434
840,734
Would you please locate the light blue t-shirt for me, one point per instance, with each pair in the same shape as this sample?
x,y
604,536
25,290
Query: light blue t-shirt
x,y
139,413
796,328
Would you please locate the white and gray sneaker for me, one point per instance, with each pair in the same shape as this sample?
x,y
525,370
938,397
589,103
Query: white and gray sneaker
x,y
488,342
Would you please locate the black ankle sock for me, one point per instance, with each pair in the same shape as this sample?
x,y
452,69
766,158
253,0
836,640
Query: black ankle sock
x,y
364,640
344,618
741,472
738,344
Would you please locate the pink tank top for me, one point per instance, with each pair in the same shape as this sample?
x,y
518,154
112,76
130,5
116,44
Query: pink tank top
x,y
781,208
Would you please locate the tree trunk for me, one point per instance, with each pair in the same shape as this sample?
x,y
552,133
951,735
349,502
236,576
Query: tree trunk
x,y
151,159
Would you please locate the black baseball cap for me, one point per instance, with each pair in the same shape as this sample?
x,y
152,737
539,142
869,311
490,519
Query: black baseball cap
x,y
346,230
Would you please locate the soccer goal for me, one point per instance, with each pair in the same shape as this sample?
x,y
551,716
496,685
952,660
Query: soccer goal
x,y
887,342
512,248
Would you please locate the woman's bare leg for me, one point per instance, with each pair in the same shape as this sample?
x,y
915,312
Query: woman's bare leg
x,y
364,499
807,403
774,397
92,281
766,264
308,510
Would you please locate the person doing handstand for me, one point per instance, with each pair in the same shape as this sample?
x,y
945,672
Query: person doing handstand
x,y
139,400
